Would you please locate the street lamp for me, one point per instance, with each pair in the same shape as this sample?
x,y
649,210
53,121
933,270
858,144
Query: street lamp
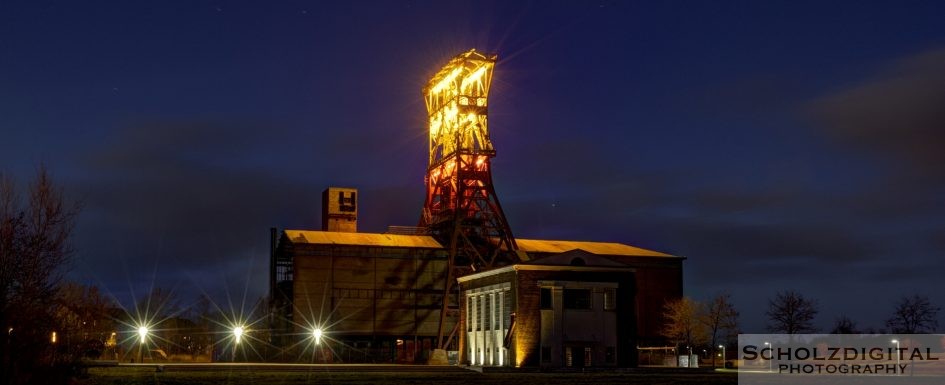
x,y
723,355
238,333
898,353
237,337
317,336
143,333
770,354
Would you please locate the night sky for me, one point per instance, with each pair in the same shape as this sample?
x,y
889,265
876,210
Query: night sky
x,y
776,145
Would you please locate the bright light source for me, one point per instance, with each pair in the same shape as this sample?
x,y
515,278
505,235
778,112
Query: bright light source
x,y
238,333
143,332
317,335
53,337
895,341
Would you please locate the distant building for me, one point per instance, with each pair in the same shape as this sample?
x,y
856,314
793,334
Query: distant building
x,y
377,297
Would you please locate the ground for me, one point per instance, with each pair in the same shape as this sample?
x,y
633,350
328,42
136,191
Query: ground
x,y
236,376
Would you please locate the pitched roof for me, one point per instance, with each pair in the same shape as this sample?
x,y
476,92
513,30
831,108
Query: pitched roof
x,y
362,239
599,248
427,242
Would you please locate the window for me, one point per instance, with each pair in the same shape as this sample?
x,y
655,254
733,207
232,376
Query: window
x,y
568,360
587,357
577,299
507,312
610,299
546,298
487,316
469,314
545,354
346,203
610,355
478,315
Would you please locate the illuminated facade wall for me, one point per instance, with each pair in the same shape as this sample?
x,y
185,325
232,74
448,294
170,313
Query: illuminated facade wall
x,y
381,302
488,314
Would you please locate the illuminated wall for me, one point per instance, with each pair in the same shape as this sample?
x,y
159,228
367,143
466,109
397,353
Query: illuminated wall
x,y
368,291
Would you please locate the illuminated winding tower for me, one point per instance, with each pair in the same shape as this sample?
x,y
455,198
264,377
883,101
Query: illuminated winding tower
x,y
461,209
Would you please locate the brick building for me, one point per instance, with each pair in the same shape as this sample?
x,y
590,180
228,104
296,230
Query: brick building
x,y
576,304
377,297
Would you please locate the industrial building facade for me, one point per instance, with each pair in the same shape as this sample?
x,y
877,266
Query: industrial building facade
x,y
377,296
378,299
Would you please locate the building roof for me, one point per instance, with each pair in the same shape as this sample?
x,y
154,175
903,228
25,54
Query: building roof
x,y
599,248
427,242
362,239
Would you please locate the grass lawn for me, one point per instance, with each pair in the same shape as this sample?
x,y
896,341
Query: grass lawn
x,y
125,375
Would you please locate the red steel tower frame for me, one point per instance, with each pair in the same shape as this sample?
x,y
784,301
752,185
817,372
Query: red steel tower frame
x,y
461,209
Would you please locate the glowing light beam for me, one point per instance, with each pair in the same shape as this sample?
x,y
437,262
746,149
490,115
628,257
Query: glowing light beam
x,y
238,333
143,333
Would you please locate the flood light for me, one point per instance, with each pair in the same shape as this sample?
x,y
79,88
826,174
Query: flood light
x,y
238,333
143,333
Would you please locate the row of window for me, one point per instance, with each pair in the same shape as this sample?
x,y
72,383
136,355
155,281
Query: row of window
x,y
485,309
385,294
574,355
579,299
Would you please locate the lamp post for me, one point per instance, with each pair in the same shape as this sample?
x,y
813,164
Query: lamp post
x,y
237,337
770,354
317,336
143,334
723,355
898,354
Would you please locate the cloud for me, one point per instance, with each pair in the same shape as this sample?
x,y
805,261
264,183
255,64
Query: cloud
x,y
679,212
178,197
897,114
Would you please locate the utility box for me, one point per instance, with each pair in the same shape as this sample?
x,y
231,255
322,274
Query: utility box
x,y
340,209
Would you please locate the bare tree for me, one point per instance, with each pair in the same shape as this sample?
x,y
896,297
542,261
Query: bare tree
x,y
684,326
791,313
34,247
914,314
85,320
720,317
844,325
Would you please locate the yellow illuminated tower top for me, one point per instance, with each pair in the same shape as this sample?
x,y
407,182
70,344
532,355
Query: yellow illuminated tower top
x,y
457,101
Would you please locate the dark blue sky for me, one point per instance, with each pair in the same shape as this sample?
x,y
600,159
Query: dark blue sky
x,y
777,145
